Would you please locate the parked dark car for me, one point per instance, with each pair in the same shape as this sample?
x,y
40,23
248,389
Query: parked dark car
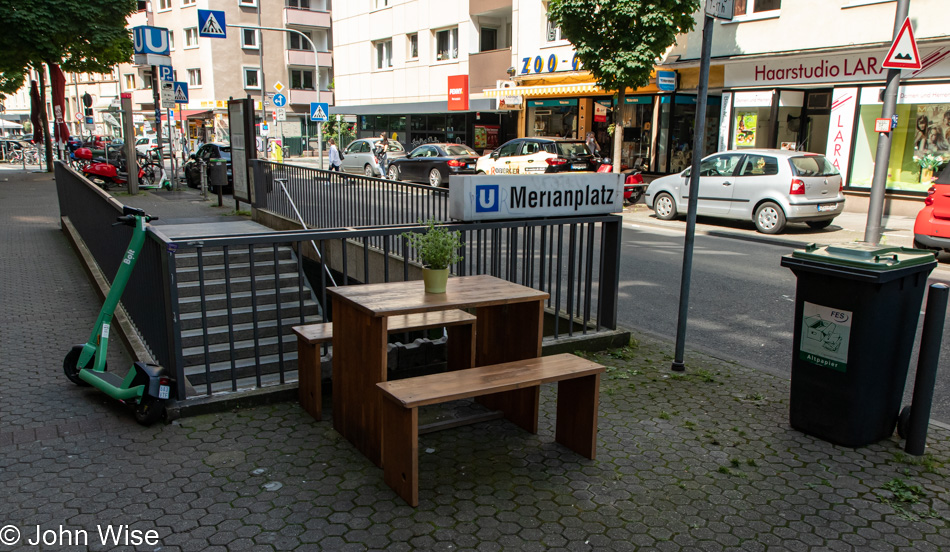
x,y
434,164
206,153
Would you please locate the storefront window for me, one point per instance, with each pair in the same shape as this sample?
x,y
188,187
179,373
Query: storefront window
x,y
682,125
552,118
637,131
751,117
923,128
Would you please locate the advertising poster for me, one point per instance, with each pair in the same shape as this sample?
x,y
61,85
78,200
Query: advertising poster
x,y
826,333
600,112
745,128
486,136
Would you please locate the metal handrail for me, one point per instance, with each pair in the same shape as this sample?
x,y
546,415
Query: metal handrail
x,y
303,223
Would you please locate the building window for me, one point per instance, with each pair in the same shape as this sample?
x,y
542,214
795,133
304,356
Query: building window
x,y
321,39
247,3
748,7
298,42
381,3
384,54
171,40
552,32
301,79
187,3
129,81
325,78
299,4
413,46
252,77
194,77
191,37
146,80
447,44
249,39
488,39
164,4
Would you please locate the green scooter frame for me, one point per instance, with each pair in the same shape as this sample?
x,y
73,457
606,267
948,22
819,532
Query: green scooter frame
x,y
146,387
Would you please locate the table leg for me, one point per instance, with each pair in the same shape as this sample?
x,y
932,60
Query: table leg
x,y
460,348
308,378
576,425
505,333
359,363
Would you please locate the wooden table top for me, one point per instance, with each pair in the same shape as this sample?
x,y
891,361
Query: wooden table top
x,y
387,299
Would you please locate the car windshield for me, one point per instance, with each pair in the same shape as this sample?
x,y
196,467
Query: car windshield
x,y
572,149
459,150
813,165
395,146
141,141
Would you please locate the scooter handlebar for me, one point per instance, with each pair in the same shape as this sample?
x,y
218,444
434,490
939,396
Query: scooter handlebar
x,y
129,220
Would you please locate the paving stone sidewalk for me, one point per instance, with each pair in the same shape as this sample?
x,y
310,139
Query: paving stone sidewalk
x,y
698,461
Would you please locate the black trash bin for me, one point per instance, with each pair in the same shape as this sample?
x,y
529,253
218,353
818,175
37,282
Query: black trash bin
x,y
217,173
856,312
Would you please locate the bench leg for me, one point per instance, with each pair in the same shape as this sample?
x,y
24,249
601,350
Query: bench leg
x,y
308,378
401,450
519,406
577,403
460,353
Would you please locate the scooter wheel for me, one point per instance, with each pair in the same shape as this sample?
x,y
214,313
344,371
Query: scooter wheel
x,y
149,411
71,366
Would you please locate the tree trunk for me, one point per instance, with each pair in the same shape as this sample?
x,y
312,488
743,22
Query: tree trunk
x,y
44,118
618,127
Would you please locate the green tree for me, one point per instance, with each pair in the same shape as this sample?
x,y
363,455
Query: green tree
x,y
80,36
619,41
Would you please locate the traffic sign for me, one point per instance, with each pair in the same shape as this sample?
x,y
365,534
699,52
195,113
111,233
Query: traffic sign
x,y
181,92
280,114
166,73
903,53
211,24
168,93
319,111
280,100
279,86
150,40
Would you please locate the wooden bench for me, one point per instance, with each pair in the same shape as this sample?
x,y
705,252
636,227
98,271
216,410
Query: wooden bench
x,y
512,387
461,351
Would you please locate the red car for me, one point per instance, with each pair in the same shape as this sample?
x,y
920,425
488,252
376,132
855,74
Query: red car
x,y
932,227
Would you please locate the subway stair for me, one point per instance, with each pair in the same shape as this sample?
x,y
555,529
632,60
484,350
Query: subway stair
x,y
239,336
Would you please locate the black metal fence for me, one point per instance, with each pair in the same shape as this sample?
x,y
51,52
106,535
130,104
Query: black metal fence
x,y
329,199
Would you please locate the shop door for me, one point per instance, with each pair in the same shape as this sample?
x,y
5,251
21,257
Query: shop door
x,y
816,116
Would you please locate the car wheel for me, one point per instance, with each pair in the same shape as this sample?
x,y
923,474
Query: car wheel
x,y
480,173
818,224
368,170
769,218
665,207
394,173
435,178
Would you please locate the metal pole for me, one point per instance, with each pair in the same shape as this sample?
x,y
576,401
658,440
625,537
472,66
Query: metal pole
x,y
698,137
128,130
872,231
156,97
260,54
927,361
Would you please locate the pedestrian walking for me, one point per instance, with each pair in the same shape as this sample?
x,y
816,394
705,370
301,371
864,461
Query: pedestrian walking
x,y
336,159
380,149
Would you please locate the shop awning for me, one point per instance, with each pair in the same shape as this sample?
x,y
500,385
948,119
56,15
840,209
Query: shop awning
x,y
190,114
545,90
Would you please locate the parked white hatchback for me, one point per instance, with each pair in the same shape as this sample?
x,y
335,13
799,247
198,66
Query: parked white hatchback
x,y
767,186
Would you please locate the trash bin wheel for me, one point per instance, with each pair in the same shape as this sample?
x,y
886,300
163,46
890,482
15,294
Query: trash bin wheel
x,y
903,420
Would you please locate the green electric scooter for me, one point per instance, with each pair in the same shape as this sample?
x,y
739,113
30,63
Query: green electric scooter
x,y
147,387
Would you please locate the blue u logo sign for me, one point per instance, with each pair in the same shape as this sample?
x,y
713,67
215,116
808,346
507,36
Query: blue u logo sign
x,y
486,198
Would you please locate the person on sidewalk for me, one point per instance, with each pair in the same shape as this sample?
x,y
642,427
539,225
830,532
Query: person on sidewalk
x,y
380,152
335,160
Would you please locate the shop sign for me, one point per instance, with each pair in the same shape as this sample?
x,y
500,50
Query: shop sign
x,y
458,93
753,99
666,80
510,102
600,112
551,103
562,59
914,94
534,196
840,128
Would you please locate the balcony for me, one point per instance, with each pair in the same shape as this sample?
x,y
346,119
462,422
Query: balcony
x,y
305,58
485,6
308,18
306,97
484,68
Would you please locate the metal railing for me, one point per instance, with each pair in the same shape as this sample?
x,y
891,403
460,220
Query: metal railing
x,y
330,199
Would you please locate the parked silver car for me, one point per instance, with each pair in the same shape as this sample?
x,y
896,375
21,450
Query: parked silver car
x,y
358,155
767,186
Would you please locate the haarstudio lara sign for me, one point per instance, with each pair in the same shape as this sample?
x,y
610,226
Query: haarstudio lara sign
x,y
488,197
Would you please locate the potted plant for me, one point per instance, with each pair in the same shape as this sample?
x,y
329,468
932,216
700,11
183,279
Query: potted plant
x,y
928,164
438,248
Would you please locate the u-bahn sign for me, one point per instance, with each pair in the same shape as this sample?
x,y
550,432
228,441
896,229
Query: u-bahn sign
x,y
489,197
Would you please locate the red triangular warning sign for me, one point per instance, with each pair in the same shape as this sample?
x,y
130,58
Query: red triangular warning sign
x,y
903,53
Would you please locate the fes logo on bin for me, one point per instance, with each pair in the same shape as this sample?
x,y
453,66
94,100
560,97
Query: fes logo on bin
x,y
486,198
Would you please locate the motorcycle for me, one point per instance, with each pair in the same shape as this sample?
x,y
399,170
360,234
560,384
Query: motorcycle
x,y
111,172
633,185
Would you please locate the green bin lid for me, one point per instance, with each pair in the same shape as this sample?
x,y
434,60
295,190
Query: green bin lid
x,y
866,255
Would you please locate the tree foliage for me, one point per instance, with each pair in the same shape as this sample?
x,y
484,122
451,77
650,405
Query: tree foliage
x,y
82,36
619,41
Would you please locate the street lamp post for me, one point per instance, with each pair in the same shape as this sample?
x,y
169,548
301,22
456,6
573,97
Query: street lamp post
x,y
316,75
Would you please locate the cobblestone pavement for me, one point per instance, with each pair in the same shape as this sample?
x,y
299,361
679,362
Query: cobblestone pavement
x,y
698,461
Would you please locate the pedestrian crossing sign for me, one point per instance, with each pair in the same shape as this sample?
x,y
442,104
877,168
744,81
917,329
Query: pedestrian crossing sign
x,y
211,24
181,92
319,111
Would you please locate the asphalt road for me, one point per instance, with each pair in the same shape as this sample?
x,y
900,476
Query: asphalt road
x,y
741,304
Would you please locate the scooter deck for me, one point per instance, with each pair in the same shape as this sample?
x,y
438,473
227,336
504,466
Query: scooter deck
x,y
107,377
